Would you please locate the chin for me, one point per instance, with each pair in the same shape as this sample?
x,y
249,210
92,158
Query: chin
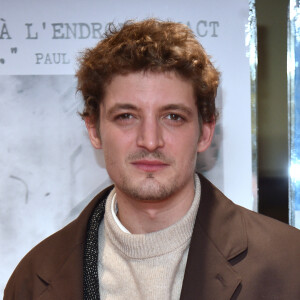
x,y
149,189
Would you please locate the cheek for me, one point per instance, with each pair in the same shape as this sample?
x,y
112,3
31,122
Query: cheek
x,y
187,153
110,159
115,148
109,149
186,142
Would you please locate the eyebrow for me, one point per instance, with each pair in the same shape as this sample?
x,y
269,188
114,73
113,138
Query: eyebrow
x,y
125,106
180,107
121,106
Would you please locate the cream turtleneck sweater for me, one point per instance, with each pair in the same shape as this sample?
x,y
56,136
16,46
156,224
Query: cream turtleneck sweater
x,y
144,266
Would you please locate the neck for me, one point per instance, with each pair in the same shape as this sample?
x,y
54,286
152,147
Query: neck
x,y
140,216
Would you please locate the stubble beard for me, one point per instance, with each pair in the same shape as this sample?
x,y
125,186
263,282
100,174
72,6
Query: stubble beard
x,y
149,190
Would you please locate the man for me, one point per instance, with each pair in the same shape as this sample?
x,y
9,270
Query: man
x,y
162,231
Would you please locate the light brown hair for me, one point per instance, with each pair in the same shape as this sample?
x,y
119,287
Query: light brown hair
x,y
149,45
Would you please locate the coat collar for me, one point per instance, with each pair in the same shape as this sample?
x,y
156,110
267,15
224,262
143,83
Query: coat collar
x,y
219,235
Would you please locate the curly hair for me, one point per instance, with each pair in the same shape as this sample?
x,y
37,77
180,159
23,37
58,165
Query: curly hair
x,y
150,45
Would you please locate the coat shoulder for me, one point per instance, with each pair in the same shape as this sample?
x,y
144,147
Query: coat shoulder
x,y
270,267
25,282
35,271
270,232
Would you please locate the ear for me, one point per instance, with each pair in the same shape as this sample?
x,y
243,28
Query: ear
x,y
206,136
93,133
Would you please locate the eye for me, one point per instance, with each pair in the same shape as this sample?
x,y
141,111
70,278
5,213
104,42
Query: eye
x,y
125,116
124,119
174,117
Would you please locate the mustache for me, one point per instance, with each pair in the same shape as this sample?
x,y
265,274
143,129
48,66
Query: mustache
x,y
151,155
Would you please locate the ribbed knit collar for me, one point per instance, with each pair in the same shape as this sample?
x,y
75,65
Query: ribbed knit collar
x,y
142,246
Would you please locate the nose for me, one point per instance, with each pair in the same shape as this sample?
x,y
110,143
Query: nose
x,y
150,135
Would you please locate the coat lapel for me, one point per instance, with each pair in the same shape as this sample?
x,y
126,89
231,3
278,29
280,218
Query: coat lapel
x,y
62,278
67,282
219,235
208,274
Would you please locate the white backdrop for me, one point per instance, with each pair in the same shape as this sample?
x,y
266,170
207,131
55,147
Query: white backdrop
x,y
49,171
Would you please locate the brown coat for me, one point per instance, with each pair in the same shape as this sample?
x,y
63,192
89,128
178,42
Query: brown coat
x,y
234,254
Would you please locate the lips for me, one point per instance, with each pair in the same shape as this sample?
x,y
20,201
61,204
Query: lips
x,y
149,165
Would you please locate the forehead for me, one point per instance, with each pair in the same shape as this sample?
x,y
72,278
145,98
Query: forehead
x,y
149,89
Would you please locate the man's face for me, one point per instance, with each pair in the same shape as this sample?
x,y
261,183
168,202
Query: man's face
x,y
150,135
